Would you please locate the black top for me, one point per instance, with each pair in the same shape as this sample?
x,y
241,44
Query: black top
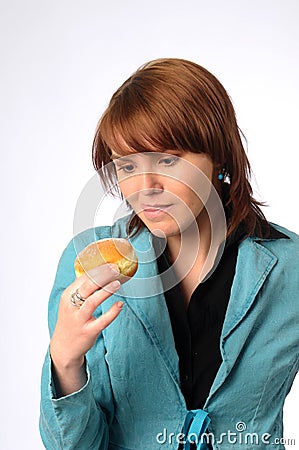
x,y
197,329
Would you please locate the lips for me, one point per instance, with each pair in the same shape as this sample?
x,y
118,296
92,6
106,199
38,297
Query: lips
x,y
153,211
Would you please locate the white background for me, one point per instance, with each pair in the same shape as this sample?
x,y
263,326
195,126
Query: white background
x,y
60,63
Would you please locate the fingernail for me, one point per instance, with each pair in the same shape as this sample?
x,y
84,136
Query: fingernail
x,y
120,304
114,268
115,285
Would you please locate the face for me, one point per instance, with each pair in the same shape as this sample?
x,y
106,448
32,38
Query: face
x,y
166,190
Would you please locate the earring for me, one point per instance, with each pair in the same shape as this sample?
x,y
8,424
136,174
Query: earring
x,y
221,174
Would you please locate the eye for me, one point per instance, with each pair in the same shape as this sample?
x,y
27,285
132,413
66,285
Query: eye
x,y
169,160
126,168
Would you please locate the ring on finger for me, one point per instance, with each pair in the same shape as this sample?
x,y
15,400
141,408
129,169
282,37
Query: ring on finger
x,y
77,299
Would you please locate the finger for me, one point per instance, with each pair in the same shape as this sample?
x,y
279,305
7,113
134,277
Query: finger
x,y
105,319
101,275
96,278
98,297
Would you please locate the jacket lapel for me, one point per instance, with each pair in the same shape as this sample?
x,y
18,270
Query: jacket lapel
x,y
254,264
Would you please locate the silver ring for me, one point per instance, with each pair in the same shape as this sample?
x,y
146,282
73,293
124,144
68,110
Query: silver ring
x,y
77,299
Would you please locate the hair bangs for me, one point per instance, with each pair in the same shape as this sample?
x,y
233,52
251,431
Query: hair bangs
x,y
151,117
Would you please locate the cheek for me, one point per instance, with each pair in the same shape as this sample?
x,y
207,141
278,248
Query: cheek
x,y
130,192
193,204
127,188
193,194
201,189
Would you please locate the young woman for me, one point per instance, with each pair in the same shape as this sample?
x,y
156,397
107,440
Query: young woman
x,y
200,348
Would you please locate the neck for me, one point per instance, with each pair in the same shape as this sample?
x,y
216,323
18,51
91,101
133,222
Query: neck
x,y
192,248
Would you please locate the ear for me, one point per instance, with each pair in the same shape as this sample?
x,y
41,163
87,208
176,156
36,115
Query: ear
x,y
219,174
217,169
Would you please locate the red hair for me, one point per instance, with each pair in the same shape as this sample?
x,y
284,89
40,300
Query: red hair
x,y
177,104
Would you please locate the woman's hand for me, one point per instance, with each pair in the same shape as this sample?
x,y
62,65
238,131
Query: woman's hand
x,y
77,329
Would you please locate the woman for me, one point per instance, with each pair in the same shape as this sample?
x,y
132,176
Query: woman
x,y
200,348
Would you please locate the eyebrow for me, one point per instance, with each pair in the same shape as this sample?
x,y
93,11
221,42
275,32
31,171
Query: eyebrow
x,y
127,156
114,156
170,151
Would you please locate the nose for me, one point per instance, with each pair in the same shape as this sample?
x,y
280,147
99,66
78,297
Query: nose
x,y
150,183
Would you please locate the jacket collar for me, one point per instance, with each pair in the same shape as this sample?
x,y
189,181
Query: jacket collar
x,y
265,232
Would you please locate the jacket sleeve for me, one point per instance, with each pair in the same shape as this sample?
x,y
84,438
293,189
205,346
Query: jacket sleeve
x,y
78,420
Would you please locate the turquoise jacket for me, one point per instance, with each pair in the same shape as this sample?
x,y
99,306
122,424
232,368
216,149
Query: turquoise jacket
x,y
132,399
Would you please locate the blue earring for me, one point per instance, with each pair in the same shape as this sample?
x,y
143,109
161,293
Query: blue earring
x,y
220,175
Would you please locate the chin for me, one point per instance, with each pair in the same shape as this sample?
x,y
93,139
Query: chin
x,y
166,228
161,228
164,233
